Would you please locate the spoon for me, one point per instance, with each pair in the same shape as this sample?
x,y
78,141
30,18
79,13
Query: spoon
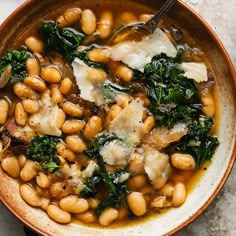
x,y
136,31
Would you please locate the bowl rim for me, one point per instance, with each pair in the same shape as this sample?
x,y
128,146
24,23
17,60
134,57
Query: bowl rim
x,y
230,165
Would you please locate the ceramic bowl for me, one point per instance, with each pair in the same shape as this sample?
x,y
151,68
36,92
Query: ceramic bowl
x,y
212,181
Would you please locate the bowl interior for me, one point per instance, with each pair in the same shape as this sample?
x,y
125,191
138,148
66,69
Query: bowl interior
x,y
33,11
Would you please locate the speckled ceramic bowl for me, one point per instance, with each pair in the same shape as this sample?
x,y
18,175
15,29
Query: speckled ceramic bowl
x,y
211,182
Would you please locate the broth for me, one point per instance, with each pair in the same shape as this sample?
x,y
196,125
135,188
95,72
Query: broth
x,y
86,152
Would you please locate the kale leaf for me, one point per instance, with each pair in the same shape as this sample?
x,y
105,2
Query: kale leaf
x,y
64,41
169,115
43,150
17,61
98,142
90,187
198,142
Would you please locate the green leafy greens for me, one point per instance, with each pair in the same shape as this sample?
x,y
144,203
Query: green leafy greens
x,y
43,150
115,189
17,61
64,41
197,142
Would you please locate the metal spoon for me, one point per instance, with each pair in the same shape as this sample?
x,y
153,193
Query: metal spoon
x,y
138,30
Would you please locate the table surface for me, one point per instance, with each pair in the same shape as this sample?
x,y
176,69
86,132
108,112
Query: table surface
x,y
220,217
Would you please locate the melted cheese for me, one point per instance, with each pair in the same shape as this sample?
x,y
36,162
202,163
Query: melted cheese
x,y
195,71
45,121
81,72
116,152
128,124
137,54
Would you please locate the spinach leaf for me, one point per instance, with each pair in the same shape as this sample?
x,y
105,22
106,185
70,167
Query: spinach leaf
x,y
90,187
17,61
97,143
64,41
43,150
198,142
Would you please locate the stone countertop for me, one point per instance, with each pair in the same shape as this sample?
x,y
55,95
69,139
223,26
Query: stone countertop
x,y
220,217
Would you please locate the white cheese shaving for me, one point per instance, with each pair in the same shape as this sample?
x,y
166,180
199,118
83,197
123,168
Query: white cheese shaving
x,y
116,152
45,121
128,123
88,172
195,71
156,165
137,54
86,87
122,178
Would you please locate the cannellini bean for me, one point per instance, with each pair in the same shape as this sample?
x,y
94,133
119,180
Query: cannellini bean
x,y
32,66
123,212
183,161
30,195
4,108
88,21
101,55
72,109
61,117
56,95
147,192
93,127
167,189
69,17
149,123
139,181
72,126
60,190
123,100
44,203
128,17
136,164
51,74
96,76
122,71
65,86
20,115
108,216
87,217
42,180
11,165
105,24
24,91
35,83
75,143
179,194
30,106
93,203
73,204
29,171
34,44
159,202
58,215
208,102
65,152
22,160
137,203
112,113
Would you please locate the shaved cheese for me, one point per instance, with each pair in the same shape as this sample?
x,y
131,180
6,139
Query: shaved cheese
x,y
45,121
88,172
116,152
157,167
86,87
195,71
137,54
122,178
128,123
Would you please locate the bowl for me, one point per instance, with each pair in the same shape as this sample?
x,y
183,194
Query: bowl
x,y
33,11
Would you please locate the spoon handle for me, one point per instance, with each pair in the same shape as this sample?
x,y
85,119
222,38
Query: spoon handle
x,y
152,23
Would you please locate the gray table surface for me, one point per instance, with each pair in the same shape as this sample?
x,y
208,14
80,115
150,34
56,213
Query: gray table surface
x,y
220,217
